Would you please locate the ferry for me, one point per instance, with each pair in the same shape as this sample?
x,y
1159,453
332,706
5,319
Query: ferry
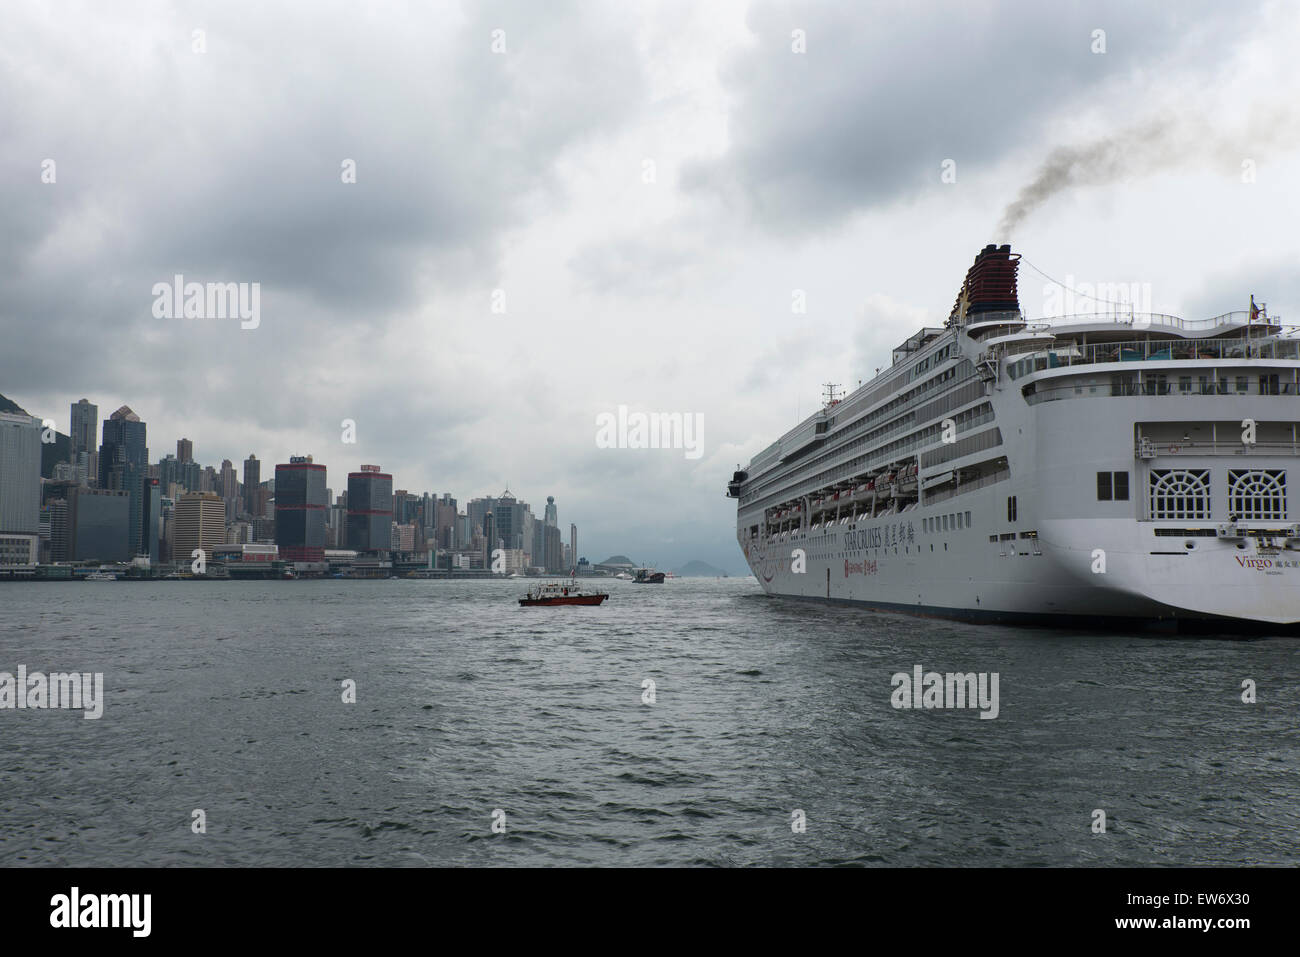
x,y
1104,469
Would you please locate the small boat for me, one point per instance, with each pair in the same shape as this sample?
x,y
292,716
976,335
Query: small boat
x,y
555,593
648,576
101,577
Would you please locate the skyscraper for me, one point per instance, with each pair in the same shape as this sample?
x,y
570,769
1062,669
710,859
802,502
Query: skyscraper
x,y
573,545
513,519
252,479
20,489
370,510
85,422
300,503
123,463
184,450
150,518
552,514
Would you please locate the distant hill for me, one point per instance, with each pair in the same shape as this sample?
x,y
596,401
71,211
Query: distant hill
x,y
698,569
9,405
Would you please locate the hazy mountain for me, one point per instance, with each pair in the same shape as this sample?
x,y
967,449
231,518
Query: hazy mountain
x,y
698,569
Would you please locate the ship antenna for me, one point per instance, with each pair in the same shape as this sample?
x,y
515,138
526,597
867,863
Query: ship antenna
x,y
833,393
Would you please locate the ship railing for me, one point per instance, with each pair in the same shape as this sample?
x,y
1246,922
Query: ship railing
x,y
1067,354
1150,387
1154,449
1148,320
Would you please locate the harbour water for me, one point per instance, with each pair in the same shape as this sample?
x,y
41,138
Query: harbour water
x,y
228,697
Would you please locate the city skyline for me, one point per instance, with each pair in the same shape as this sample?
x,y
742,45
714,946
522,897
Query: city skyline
x,y
193,448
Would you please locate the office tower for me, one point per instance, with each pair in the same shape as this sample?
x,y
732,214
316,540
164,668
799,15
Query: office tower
x,y
370,510
252,479
300,502
20,489
552,514
573,546
199,521
123,463
512,519
150,518
85,422
184,450
95,524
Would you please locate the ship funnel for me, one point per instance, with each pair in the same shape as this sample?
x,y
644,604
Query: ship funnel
x,y
990,285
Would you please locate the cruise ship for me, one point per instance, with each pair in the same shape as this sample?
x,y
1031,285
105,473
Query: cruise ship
x,y
1103,470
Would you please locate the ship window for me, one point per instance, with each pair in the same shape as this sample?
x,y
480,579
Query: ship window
x,y
1011,508
1185,383
1180,493
959,521
945,523
1243,384
1104,491
968,519
1121,486
1258,494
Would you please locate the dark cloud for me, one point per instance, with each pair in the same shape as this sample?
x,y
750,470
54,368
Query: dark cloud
x,y
226,166
887,91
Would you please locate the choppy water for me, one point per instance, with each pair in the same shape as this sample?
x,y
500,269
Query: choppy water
x,y
227,697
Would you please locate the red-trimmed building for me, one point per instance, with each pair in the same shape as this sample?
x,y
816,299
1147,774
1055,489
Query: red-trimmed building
x,y
370,510
300,504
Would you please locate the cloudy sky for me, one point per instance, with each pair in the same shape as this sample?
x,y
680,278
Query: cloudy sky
x,y
642,186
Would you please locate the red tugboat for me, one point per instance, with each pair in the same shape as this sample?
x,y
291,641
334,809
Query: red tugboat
x,y
554,593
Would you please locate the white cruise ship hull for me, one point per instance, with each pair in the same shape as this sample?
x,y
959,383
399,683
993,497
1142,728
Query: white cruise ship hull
x,y
1101,472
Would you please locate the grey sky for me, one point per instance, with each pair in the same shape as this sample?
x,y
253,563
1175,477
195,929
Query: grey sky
x,y
646,183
